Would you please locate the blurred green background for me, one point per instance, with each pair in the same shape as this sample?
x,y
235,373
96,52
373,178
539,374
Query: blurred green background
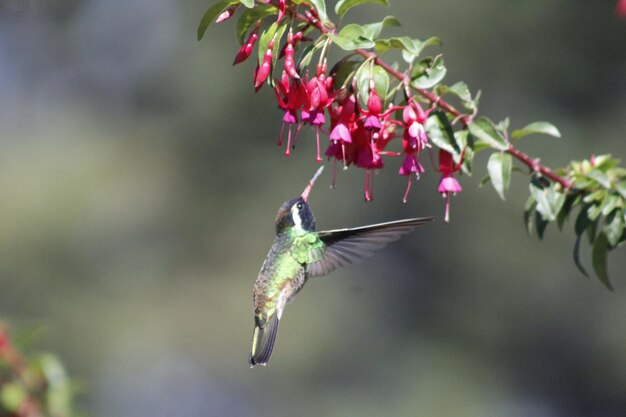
x,y
139,180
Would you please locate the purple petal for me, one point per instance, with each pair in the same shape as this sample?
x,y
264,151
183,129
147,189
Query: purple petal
x,y
341,132
371,123
449,184
290,117
410,165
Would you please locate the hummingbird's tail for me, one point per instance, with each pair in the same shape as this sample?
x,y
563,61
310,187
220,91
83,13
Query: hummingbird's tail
x,y
263,341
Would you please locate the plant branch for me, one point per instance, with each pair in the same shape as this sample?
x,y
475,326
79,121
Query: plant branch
x,y
533,163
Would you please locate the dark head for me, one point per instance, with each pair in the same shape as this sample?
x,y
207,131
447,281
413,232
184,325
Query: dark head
x,y
296,212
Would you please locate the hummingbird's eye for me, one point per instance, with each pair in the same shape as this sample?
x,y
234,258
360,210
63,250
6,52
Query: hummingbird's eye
x,y
299,206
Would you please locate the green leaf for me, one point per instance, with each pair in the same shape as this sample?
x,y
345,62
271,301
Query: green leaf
x,y
545,128
570,201
541,224
428,72
248,18
466,141
12,396
595,210
591,231
411,48
576,255
599,259
320,6
276,52
211,14
441,134
610,202
307,53
413,52
503,125
343,6
276,32
549,201
582,223
529,209
343,72
265,39
484,130
248,3
372,30
614,228
620,187
381,81
599,177
352,37
461,90
484,181
500,166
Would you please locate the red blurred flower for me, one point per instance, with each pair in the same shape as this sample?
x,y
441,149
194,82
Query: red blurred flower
x,y
620,9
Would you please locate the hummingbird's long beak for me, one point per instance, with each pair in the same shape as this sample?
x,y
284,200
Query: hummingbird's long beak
x,y
309,187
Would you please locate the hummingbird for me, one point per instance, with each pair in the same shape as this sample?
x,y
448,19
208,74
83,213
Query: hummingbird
x,y
299,253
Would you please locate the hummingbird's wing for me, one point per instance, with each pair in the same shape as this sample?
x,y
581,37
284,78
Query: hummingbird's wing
x,y
347,246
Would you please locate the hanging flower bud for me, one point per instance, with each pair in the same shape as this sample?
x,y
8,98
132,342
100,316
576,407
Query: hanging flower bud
x,y
227,14
281,9
246,48
265,68
290,64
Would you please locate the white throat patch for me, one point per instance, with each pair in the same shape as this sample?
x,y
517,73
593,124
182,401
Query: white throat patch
x,y
297,220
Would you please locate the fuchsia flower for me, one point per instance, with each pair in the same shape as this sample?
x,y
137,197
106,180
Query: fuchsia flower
x,y
319,96
448,184
414,118
290,97
414,140
342,121
372,113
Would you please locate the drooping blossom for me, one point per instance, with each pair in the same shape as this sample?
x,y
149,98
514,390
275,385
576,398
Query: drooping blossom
x,y
448,185
414,140
290,97
342,120
414,118
319,96
411,164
